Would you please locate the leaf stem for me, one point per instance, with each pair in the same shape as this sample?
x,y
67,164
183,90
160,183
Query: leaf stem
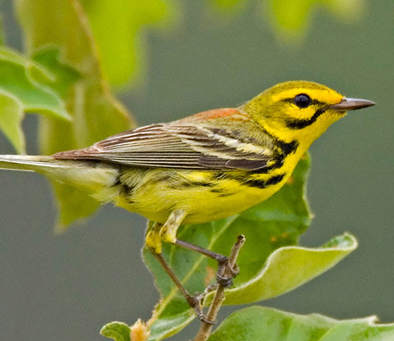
x,y
206,327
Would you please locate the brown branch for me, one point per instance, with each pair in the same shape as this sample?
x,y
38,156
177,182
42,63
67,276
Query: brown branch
x,y
206,327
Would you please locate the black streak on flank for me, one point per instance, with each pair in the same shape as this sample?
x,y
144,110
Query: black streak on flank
x,y
283,149
221,193
274,180
301,124
263,184
287,147
197,183
127,191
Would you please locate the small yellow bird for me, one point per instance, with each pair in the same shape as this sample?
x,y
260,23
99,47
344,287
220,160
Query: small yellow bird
x,y
204,167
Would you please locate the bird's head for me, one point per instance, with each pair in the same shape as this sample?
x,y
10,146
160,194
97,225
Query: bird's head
x,y
300,110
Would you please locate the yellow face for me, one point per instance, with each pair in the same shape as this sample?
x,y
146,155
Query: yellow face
x,y
299,110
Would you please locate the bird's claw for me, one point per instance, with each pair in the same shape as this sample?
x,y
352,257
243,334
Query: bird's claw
x,y
226,273
195,301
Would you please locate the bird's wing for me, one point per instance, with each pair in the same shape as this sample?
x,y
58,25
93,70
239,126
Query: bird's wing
x,y
178,146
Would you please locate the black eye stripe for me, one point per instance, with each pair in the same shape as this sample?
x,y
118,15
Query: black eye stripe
x,y
298,124
303,123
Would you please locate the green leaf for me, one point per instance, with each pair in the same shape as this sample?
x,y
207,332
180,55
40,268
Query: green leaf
x,y
25,86
289,267
286,269
11,116
64,75
266,324
118,331
291,19
292,16
63,26
347,10
73,205
20,77
124,58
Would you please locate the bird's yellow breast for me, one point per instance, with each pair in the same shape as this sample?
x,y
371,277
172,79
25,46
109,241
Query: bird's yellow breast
x,y
204,195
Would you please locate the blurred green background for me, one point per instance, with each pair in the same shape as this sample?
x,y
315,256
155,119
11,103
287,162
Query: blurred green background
x,y
65,287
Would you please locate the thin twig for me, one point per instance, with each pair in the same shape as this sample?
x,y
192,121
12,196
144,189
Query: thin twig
x,y
206,327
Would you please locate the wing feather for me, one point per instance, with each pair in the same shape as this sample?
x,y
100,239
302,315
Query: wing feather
x,y
178,146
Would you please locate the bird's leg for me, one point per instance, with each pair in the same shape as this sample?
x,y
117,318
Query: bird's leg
x,y
167,232
194,302
225,273
169,229
153,243
152,239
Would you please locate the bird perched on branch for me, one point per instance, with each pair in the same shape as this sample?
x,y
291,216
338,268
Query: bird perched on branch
x,y
203,167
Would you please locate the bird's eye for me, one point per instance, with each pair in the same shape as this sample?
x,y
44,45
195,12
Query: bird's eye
x,y
302,101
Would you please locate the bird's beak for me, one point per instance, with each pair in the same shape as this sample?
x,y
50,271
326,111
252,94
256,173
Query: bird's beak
x,y
351,104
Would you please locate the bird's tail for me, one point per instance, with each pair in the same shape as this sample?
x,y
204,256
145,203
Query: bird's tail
x,y
88,174
30,163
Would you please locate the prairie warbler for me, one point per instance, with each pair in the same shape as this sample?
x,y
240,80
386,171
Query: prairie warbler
x,y
201,168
